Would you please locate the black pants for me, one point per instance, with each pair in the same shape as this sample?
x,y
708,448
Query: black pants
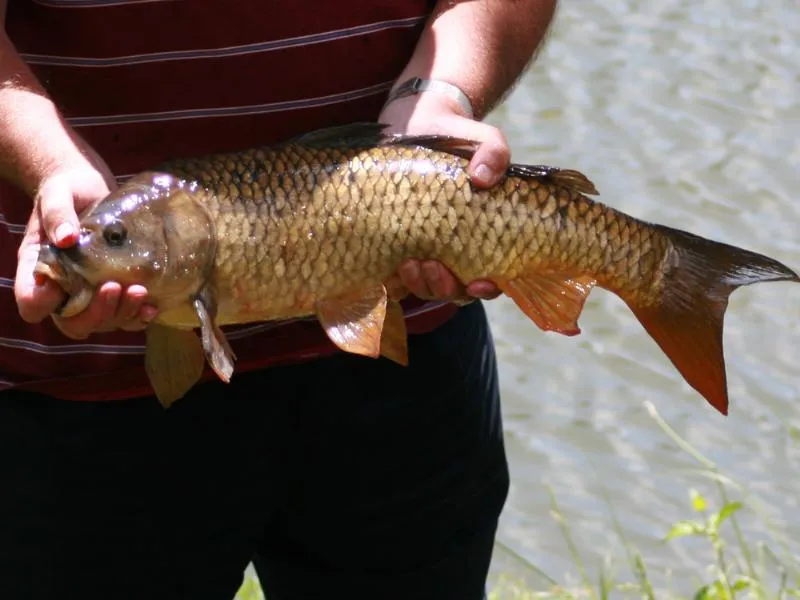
x,y
341,478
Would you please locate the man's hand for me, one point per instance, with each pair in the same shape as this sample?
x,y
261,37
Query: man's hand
x,y
67,189
430,113
48,161
483,48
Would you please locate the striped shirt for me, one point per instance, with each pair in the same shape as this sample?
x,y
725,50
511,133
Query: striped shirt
x,y
147,80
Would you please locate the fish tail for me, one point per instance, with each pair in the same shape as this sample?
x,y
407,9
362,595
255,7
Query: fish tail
x,y
686,321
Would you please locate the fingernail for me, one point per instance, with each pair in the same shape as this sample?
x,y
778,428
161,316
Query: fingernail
x,y
431,272
63,233
148,313
484,173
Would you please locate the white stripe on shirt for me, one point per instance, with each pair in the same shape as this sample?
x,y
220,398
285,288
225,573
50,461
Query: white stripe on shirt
x,y
231,111
270,46
18,228
93,3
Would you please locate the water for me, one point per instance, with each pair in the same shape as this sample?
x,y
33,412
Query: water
x,y
685,113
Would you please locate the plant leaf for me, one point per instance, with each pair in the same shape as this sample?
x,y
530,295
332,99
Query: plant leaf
x,y
742,583
684,528
728,510
703,593
725,513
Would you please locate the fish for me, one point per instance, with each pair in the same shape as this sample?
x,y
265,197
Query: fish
x,y
315,226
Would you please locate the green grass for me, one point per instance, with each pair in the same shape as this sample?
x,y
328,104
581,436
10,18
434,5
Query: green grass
x,y
739,570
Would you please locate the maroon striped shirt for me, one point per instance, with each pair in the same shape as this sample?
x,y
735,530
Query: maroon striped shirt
x,y
148,80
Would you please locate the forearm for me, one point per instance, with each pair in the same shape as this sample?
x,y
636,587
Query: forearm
x,y
482,46
34,139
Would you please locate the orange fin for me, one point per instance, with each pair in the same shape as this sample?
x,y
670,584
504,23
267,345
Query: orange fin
x,y
354,321
693,342
553,301
173,360
687,320
217,349
394,339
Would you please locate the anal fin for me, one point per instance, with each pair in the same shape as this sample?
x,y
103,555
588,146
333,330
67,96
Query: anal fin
x,y
554,301
355,321
173,361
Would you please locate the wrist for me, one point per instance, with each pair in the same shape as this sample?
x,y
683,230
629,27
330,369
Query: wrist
x,y
415,86
419,112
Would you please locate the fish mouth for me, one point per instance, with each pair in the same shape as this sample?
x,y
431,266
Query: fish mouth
x,y
62,265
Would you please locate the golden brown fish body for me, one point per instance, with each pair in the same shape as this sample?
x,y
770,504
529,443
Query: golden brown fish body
x,y
317,225
294,226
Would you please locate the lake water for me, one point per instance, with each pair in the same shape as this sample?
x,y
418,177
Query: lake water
x,y
684,113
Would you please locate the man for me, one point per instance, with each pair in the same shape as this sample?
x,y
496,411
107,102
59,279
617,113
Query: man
x,y
338,476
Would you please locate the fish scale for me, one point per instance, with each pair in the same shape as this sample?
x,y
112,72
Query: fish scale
x,y
326,191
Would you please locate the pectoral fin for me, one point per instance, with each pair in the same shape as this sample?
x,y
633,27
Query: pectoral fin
x,y
355,321
553,301
215,345
394,339
173,360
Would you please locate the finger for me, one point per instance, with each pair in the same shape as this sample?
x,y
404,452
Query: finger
x,y
410,273
133,325
133,314
139,322
491,159
483,289
57,208
440,280
97,315
131,303
142,319
35,299
147,313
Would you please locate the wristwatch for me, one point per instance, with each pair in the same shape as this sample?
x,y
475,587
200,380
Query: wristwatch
x,y
417,85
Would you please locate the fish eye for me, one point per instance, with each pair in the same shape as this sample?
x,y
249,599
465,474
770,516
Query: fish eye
x,y
115,233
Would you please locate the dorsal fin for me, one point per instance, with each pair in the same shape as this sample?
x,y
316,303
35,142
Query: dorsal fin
x,y
352,135
568,178
359,135
356,135
441,143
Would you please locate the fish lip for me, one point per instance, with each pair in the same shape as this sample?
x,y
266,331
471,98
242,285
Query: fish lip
x,y
59,310
70,259
77,297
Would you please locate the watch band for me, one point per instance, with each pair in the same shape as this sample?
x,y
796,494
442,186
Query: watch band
x,y
417,85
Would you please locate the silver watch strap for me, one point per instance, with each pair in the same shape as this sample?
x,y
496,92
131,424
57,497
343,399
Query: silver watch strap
x,y
417,85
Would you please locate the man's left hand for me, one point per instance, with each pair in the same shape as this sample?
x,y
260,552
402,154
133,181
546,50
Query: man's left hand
x,y
431,113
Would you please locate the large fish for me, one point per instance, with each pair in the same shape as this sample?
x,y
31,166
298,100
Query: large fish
x,y
316,226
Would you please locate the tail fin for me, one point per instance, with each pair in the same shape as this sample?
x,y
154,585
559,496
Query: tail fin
x,y
687,321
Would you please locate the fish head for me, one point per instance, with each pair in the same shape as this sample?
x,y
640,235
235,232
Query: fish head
x,y
153,231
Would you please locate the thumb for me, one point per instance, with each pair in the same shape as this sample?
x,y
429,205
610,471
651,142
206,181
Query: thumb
x,y
492,157
57,209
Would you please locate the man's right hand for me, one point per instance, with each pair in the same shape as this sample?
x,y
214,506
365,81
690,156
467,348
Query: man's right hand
x,y
45,158
63,193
